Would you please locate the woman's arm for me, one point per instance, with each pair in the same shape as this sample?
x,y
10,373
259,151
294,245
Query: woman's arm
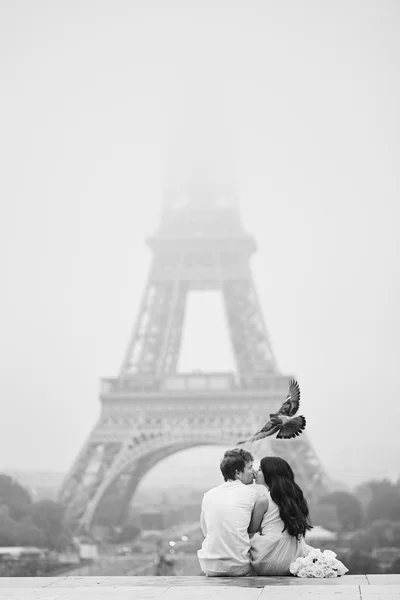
x,y
259,509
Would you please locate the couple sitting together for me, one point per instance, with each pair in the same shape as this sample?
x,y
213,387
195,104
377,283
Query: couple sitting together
x,y
253,529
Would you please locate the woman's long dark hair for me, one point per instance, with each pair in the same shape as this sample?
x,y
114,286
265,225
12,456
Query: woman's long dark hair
x,y
285,492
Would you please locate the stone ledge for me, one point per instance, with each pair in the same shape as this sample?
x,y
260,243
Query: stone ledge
x,y
349,587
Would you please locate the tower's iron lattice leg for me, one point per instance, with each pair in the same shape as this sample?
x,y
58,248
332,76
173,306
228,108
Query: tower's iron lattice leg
x,y
252,349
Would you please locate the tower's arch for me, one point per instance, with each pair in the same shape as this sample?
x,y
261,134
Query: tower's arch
x,y
122,486
111,473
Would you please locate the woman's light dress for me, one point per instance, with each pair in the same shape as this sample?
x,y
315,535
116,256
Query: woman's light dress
x,y
274,550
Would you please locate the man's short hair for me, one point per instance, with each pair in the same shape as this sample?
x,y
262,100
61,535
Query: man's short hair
x,y
234,460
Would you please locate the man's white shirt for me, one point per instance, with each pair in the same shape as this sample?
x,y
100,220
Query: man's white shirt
x,y
225,517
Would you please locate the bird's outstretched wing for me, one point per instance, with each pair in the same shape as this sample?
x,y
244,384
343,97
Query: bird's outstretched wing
x,y
269,429
292,402
292,428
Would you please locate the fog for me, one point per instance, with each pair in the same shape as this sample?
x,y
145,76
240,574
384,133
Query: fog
x,y
109,108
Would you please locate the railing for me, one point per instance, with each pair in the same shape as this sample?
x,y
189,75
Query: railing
x,y
196,382
134,384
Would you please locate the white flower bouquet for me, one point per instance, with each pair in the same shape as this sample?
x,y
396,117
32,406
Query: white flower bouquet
x,y
318,564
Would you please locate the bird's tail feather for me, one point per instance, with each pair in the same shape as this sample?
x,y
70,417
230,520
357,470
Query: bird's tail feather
x,y
292,428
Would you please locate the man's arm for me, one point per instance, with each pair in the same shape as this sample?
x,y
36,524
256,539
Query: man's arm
x,y
259,510
203,523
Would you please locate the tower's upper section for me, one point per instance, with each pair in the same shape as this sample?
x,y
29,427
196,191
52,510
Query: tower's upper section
x,y
201,216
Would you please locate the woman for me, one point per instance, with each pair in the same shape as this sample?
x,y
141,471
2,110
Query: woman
x,y
283,516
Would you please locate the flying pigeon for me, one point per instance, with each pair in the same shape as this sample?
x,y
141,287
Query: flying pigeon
x,y
283,422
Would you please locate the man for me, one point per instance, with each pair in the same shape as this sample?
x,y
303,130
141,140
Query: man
x,y
225,518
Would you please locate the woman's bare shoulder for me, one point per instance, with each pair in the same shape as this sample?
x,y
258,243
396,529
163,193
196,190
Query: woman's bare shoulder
x,y
261,490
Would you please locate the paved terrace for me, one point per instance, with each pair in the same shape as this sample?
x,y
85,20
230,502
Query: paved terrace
x,y
349,587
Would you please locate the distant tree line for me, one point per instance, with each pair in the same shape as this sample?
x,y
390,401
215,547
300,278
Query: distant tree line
x,y
365,521
24,522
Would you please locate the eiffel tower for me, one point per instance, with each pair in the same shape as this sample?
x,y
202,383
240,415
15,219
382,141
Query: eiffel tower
x,y
150,411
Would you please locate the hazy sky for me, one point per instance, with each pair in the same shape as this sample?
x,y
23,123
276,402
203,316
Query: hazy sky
x,y
101,103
